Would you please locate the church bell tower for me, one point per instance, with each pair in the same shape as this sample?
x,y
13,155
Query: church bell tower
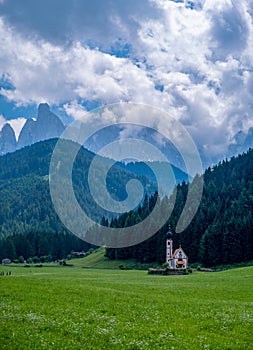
x,y
169,248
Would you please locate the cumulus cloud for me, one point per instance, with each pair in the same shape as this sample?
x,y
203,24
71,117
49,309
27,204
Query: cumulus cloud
x,y
2,121
191,58
17,125
229,29
201,58
39,71
62,22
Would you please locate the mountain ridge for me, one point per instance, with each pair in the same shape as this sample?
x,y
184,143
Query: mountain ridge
x,y
46,126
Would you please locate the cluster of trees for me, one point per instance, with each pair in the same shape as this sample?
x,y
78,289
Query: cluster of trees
x,y
221,231
40,246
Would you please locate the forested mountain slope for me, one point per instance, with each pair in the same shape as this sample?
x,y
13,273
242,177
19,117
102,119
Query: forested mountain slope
x,y
222,230
25,202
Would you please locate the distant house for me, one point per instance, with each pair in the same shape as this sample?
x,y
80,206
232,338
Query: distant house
x,y
6,261
78,254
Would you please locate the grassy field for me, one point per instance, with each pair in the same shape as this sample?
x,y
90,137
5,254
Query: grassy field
x,y
75,308
98,260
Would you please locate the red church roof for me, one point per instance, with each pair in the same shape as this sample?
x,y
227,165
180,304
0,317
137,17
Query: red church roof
x,y
177,250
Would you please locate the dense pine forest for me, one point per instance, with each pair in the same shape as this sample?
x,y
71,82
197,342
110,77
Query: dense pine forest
x,y
220,233
41,246
222,230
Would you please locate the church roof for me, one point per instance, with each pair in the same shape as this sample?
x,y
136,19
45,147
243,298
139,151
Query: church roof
x,y
177,250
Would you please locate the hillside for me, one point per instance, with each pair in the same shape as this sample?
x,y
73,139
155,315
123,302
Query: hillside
x,y
25,202
222,230
98,260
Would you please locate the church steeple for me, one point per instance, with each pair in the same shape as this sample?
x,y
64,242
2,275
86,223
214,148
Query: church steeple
x,y
178,259
169,234
169,246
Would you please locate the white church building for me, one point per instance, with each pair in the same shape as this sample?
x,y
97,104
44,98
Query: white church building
x,y
178,258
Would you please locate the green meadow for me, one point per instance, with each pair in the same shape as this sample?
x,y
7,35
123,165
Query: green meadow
x,y
77,308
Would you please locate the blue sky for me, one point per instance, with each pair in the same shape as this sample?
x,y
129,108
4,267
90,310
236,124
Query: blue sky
x,y
194,59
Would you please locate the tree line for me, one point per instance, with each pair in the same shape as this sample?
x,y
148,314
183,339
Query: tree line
x,y
41,246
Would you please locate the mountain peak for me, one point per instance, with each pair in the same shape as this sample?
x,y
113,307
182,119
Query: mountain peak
x,y
47,126
7,128
241,142
43,109
8,142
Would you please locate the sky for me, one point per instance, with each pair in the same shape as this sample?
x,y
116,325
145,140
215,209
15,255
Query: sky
x,y
193,59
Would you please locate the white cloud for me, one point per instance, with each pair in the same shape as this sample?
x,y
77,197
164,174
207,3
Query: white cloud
x,y
41,72
17,125
196,64
76,111
186,53
2,121
101,23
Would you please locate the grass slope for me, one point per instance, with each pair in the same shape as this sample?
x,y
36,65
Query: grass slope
x,y
97,260
73,308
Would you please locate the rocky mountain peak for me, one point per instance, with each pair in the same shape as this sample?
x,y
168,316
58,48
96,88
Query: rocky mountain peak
x,y
27,134
8,142
47,126
241,142
43,109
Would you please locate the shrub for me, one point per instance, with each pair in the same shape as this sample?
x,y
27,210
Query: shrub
x,y
35,259
21,259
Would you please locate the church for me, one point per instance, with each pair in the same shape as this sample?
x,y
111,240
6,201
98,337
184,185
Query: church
x,y
177,259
